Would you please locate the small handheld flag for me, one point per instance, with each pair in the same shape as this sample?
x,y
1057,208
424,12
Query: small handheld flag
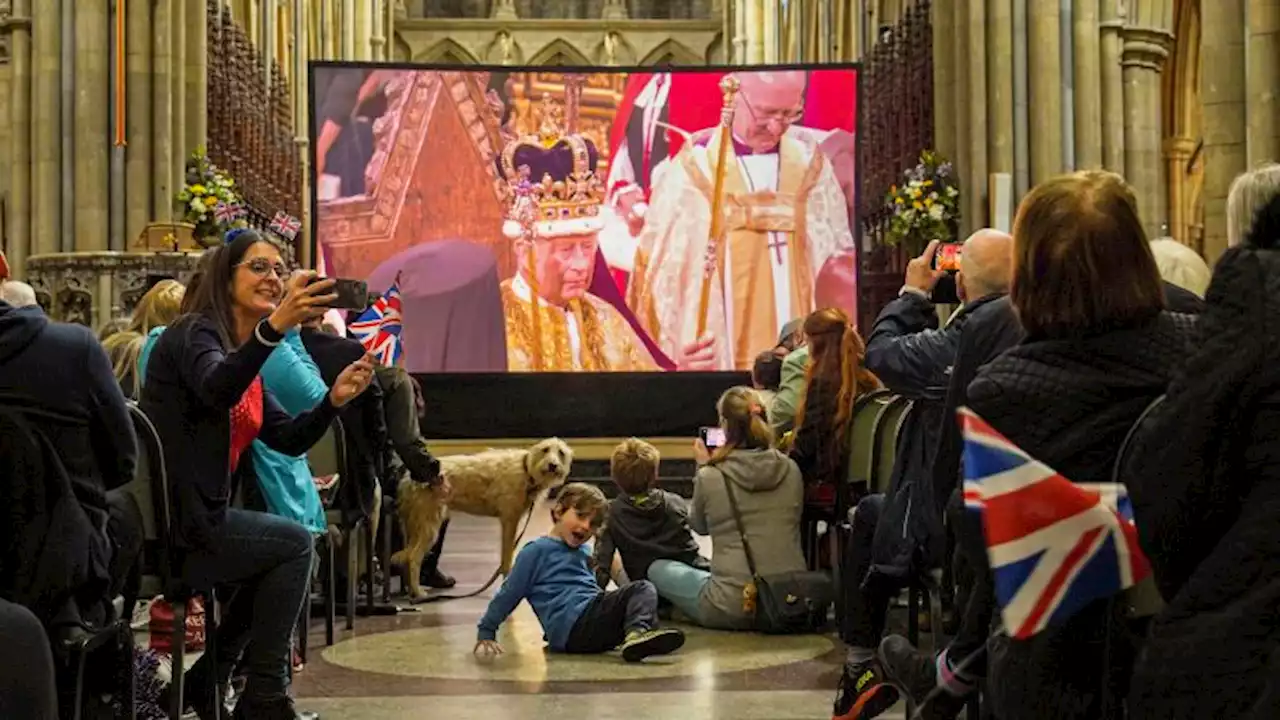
x,y
285,225
227,212
378,328
1055,546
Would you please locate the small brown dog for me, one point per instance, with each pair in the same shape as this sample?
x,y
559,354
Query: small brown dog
x,y
495,483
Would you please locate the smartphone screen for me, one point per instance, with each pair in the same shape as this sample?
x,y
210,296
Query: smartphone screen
x,y
712,437
948,257
352,294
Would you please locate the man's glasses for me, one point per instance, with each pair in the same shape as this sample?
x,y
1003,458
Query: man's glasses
x,y
784,117
262,267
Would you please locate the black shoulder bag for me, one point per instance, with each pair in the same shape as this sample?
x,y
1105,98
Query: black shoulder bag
x,y
786,603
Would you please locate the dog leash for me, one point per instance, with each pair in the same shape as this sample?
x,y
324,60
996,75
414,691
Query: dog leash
x,y
492,578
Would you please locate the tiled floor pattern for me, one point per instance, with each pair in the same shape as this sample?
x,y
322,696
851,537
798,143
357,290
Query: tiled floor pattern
x,y
418,664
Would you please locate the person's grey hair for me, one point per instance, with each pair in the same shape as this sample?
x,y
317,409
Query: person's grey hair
x,y
17,294
1180,265
1249,193
989,276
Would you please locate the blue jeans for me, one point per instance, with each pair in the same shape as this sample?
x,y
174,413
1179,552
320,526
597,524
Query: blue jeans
x,y
267,560
682,584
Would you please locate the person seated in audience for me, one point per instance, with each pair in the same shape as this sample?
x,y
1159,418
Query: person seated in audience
x,y
59,378
403,405
766,376
1181,267
18,294
834,379
644,522
27,685
898,535
794,351
204,393
1099,347
157,308
1203,473
770,495
553,574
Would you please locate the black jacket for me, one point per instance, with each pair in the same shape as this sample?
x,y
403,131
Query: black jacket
x,y
1070,404
913,357
192,384
364,420
654,526
59,376
1204,476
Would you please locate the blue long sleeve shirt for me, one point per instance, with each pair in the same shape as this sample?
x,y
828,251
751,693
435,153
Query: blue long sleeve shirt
x,y
556,581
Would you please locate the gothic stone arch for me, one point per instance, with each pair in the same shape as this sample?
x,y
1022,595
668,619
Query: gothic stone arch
x,y
671,52
448,51
559,52
1183,129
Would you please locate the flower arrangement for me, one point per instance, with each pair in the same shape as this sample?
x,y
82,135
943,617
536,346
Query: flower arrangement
x,y
926,206
207,199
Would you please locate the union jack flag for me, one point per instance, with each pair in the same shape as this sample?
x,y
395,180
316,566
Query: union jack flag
x,y
227,212
285,225
1055,546
378,328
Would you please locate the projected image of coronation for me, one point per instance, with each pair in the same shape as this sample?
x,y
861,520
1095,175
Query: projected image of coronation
x,y
533,221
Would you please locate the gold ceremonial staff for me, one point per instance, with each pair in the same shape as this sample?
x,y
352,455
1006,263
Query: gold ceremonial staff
x,y
729,87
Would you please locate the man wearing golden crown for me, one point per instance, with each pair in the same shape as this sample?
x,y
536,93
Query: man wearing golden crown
x,y
787,247
552,198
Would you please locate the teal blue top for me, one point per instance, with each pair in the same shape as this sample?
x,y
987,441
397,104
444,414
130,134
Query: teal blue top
x,y
294,381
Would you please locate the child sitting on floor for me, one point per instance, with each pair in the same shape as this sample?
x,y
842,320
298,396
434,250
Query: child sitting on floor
x,y
576,616
644,523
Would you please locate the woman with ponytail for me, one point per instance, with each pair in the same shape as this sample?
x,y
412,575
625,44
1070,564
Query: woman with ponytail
x,y
834,379
769,494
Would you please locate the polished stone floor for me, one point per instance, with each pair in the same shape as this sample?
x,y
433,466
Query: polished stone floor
x,y
418,664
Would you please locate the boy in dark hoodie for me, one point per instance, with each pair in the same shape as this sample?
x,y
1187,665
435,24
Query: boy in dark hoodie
x,y
643,523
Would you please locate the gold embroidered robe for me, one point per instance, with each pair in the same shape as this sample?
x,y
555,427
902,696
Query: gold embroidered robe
x,y
807,210
606,342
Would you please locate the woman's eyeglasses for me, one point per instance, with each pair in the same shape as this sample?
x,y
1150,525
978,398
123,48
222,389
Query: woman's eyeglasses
x,y
262,267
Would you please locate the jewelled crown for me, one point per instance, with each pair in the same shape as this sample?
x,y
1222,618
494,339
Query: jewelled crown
x,y
549,181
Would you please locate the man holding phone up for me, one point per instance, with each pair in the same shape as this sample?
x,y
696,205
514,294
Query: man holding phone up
x,y
913,356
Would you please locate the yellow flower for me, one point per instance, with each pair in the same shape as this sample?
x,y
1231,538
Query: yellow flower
x,y
927,183
897,200
211,201
198,190
917,205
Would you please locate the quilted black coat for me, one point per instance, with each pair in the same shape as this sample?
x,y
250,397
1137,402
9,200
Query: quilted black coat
x,y
1070,404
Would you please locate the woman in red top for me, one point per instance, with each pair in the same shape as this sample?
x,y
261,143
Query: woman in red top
x,y
204,395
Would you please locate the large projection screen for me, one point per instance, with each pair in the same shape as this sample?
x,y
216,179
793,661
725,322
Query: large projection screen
x,y
540,220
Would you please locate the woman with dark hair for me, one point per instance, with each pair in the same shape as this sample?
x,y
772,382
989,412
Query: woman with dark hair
x,y
769,494
204,394
1099,348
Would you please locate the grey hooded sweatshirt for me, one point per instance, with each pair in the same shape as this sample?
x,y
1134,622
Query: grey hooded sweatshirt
x,y
770,494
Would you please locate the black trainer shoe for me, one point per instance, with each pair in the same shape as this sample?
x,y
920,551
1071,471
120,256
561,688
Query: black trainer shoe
x,y
437,580
271,707
916,674
863,693
640,645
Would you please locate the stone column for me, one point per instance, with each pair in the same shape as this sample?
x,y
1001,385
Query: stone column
x,y
1222,87
20,175
999,104
755,32
1087,90
1145,49
92,131
46,186
162,102
139,204
1112,86
1177,152
1044,71
944,79
1262,79
975,205
178,79
348,29
197,75
960,108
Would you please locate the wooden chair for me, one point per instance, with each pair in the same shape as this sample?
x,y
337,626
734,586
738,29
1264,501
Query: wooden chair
x,y
150,490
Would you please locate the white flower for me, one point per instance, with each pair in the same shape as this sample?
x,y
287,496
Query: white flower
x,y
952,192
196,204
935,212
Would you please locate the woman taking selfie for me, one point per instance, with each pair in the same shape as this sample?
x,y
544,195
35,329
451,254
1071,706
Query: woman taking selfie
x,y
204,394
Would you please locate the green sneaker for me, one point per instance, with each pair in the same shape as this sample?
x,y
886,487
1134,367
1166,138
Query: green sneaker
x,y
640,645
